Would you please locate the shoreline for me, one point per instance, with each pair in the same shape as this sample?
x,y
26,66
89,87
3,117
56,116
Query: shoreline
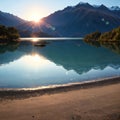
x,y
95,103
53,89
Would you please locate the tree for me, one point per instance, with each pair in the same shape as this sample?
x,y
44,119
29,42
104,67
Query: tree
x,y
8,33
113,35
13,33
93,36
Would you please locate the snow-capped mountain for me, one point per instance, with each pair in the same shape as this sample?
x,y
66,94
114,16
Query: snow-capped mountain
x,y
115,8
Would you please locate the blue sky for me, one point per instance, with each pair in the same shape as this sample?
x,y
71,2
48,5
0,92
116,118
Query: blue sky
x,y
36,9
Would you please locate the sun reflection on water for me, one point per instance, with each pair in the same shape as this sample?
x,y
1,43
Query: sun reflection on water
x,y
35,61
35,40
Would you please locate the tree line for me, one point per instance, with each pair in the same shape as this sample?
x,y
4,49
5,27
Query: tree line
x,y
113,35
8,33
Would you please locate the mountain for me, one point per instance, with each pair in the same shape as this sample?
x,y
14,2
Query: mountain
x,y
115,8
25,28
72,21
32,29
8,19
82,19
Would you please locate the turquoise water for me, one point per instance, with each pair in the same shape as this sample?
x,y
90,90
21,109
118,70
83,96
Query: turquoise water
x,y
25,65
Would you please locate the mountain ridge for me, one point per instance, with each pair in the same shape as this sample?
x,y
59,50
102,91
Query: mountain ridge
x,y
80,18
8,19
73,21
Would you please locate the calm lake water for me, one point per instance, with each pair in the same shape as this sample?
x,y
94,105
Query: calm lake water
x,y
27,65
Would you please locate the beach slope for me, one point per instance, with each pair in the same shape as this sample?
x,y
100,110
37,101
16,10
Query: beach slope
x,y
95,103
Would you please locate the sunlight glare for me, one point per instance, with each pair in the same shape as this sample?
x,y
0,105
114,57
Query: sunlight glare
x,y
36,58
35,61
35,17
34,14
35,40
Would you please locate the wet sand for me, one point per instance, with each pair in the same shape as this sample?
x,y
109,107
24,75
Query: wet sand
x,y
99,101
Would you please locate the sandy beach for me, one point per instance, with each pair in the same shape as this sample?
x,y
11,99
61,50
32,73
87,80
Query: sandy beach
x,y
99,102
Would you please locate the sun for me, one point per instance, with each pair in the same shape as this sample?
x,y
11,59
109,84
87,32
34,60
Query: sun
x,y
35,13
35,17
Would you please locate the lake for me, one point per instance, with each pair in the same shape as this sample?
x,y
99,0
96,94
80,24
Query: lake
x,y
60,61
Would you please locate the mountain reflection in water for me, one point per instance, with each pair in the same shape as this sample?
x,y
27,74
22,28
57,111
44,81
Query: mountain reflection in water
x,y
59,62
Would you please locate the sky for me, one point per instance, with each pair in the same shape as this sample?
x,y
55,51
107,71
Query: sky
x,y
36,9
